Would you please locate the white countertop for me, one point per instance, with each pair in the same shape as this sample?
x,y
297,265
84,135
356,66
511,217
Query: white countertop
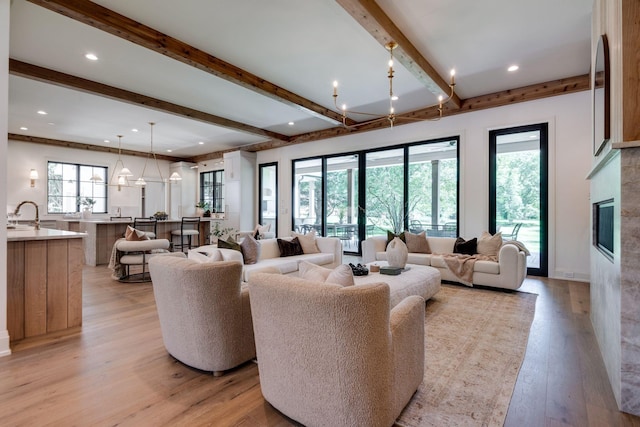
x,y
42,234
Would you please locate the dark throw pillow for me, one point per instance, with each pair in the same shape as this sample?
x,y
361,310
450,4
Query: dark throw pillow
x,y
290,247
467,247
229,244
391,235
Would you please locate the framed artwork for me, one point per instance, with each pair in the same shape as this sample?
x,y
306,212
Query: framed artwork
x,y
600,88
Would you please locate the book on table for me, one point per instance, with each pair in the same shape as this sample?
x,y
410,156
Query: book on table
x,y
392,271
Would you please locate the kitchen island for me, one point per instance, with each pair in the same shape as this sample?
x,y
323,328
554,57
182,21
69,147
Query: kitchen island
x,y
44,282
102,234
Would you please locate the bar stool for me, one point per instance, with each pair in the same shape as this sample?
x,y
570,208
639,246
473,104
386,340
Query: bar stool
x,y
189,227
148,225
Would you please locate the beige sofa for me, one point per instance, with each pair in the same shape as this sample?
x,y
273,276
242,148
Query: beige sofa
x,y
330,256
508,272
322,364
204,312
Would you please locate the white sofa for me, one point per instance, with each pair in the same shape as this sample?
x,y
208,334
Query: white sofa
x,y
508,272
330,256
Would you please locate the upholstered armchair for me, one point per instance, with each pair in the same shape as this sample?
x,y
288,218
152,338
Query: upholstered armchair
x,y
204,312
336,356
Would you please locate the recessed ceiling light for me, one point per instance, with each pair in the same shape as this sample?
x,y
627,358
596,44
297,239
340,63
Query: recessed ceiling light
x,y
291,123
23,128
513,68
134,130
200,143
51,124
169,151
91,56
44,113
107,141
394,98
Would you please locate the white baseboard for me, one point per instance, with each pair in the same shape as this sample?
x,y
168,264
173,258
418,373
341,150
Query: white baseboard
x,y
5,350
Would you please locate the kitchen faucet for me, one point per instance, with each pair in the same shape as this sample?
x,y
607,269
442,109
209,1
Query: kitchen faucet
x,y
37,224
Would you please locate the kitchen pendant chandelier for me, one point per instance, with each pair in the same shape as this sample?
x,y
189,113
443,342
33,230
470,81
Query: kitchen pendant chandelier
x,y
391,117
141,181
122,178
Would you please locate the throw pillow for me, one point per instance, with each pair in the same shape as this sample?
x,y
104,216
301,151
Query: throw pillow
x,y
467,247
250,249
230,243
341,275
290,247
203,257
134,235
489,245
391,235
259,231
397,253
417,243
308,242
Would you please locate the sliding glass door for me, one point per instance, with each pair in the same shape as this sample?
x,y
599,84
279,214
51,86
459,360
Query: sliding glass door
x,y
518,189
353,196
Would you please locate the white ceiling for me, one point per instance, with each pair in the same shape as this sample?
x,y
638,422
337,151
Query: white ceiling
x,y
301,46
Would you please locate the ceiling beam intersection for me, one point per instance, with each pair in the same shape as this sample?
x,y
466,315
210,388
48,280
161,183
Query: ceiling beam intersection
x,y
376,22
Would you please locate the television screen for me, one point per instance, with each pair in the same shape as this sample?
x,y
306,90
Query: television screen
x,y
604,227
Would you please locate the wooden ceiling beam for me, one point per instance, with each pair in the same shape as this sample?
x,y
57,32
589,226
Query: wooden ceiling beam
x,y
89,147
373,19
478,103
34,72
107,20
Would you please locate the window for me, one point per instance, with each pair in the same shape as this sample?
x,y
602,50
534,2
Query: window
x,y
212,190
268,197
69,184
357,195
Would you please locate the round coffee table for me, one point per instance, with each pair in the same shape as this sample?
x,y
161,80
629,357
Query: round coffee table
x,y
416,280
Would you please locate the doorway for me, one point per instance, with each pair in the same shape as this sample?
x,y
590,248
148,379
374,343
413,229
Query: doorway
x,y
518,190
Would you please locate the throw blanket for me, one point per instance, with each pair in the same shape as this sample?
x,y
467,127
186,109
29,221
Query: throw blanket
x,y
461,265
114,262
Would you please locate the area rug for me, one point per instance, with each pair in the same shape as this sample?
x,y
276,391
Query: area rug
x,y
475,342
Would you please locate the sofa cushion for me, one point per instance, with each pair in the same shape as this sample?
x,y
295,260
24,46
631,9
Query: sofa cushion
x,y
290,248
419,259
417,243
490,267
341,275
467,247
308,242
441,245
250,249
489,245
269,249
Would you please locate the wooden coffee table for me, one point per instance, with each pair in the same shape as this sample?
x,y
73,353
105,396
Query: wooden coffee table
x,y
416,280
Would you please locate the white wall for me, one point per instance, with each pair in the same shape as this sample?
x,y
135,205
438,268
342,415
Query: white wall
x,y
569,118
4,113
25,156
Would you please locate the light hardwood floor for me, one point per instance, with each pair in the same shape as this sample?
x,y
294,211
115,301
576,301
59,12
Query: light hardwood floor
x,y
115,371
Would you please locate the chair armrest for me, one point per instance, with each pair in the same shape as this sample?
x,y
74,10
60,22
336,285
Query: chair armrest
x,y
407,338
142,245
371,246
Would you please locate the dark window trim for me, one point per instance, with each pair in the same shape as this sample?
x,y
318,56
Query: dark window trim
x,y
77,179
277,199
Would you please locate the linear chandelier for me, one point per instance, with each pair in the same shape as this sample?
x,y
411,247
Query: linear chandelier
x,y
141,181
391,117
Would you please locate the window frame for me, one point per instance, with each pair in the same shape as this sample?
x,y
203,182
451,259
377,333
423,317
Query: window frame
x,y
78,182
216,201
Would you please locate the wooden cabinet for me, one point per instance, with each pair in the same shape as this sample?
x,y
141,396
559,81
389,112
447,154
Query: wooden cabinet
x,y
44,286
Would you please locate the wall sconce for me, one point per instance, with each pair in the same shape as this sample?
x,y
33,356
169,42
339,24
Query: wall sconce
x,y
33,175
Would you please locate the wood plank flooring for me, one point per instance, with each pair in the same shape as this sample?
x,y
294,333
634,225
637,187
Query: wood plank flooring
x,y
115,370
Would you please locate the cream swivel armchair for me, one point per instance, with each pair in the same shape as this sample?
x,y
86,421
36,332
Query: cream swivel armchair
x,y
204,312
334,356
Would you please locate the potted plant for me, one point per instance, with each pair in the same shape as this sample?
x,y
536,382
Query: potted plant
x,y
218,232
201,206
161,216
87,206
